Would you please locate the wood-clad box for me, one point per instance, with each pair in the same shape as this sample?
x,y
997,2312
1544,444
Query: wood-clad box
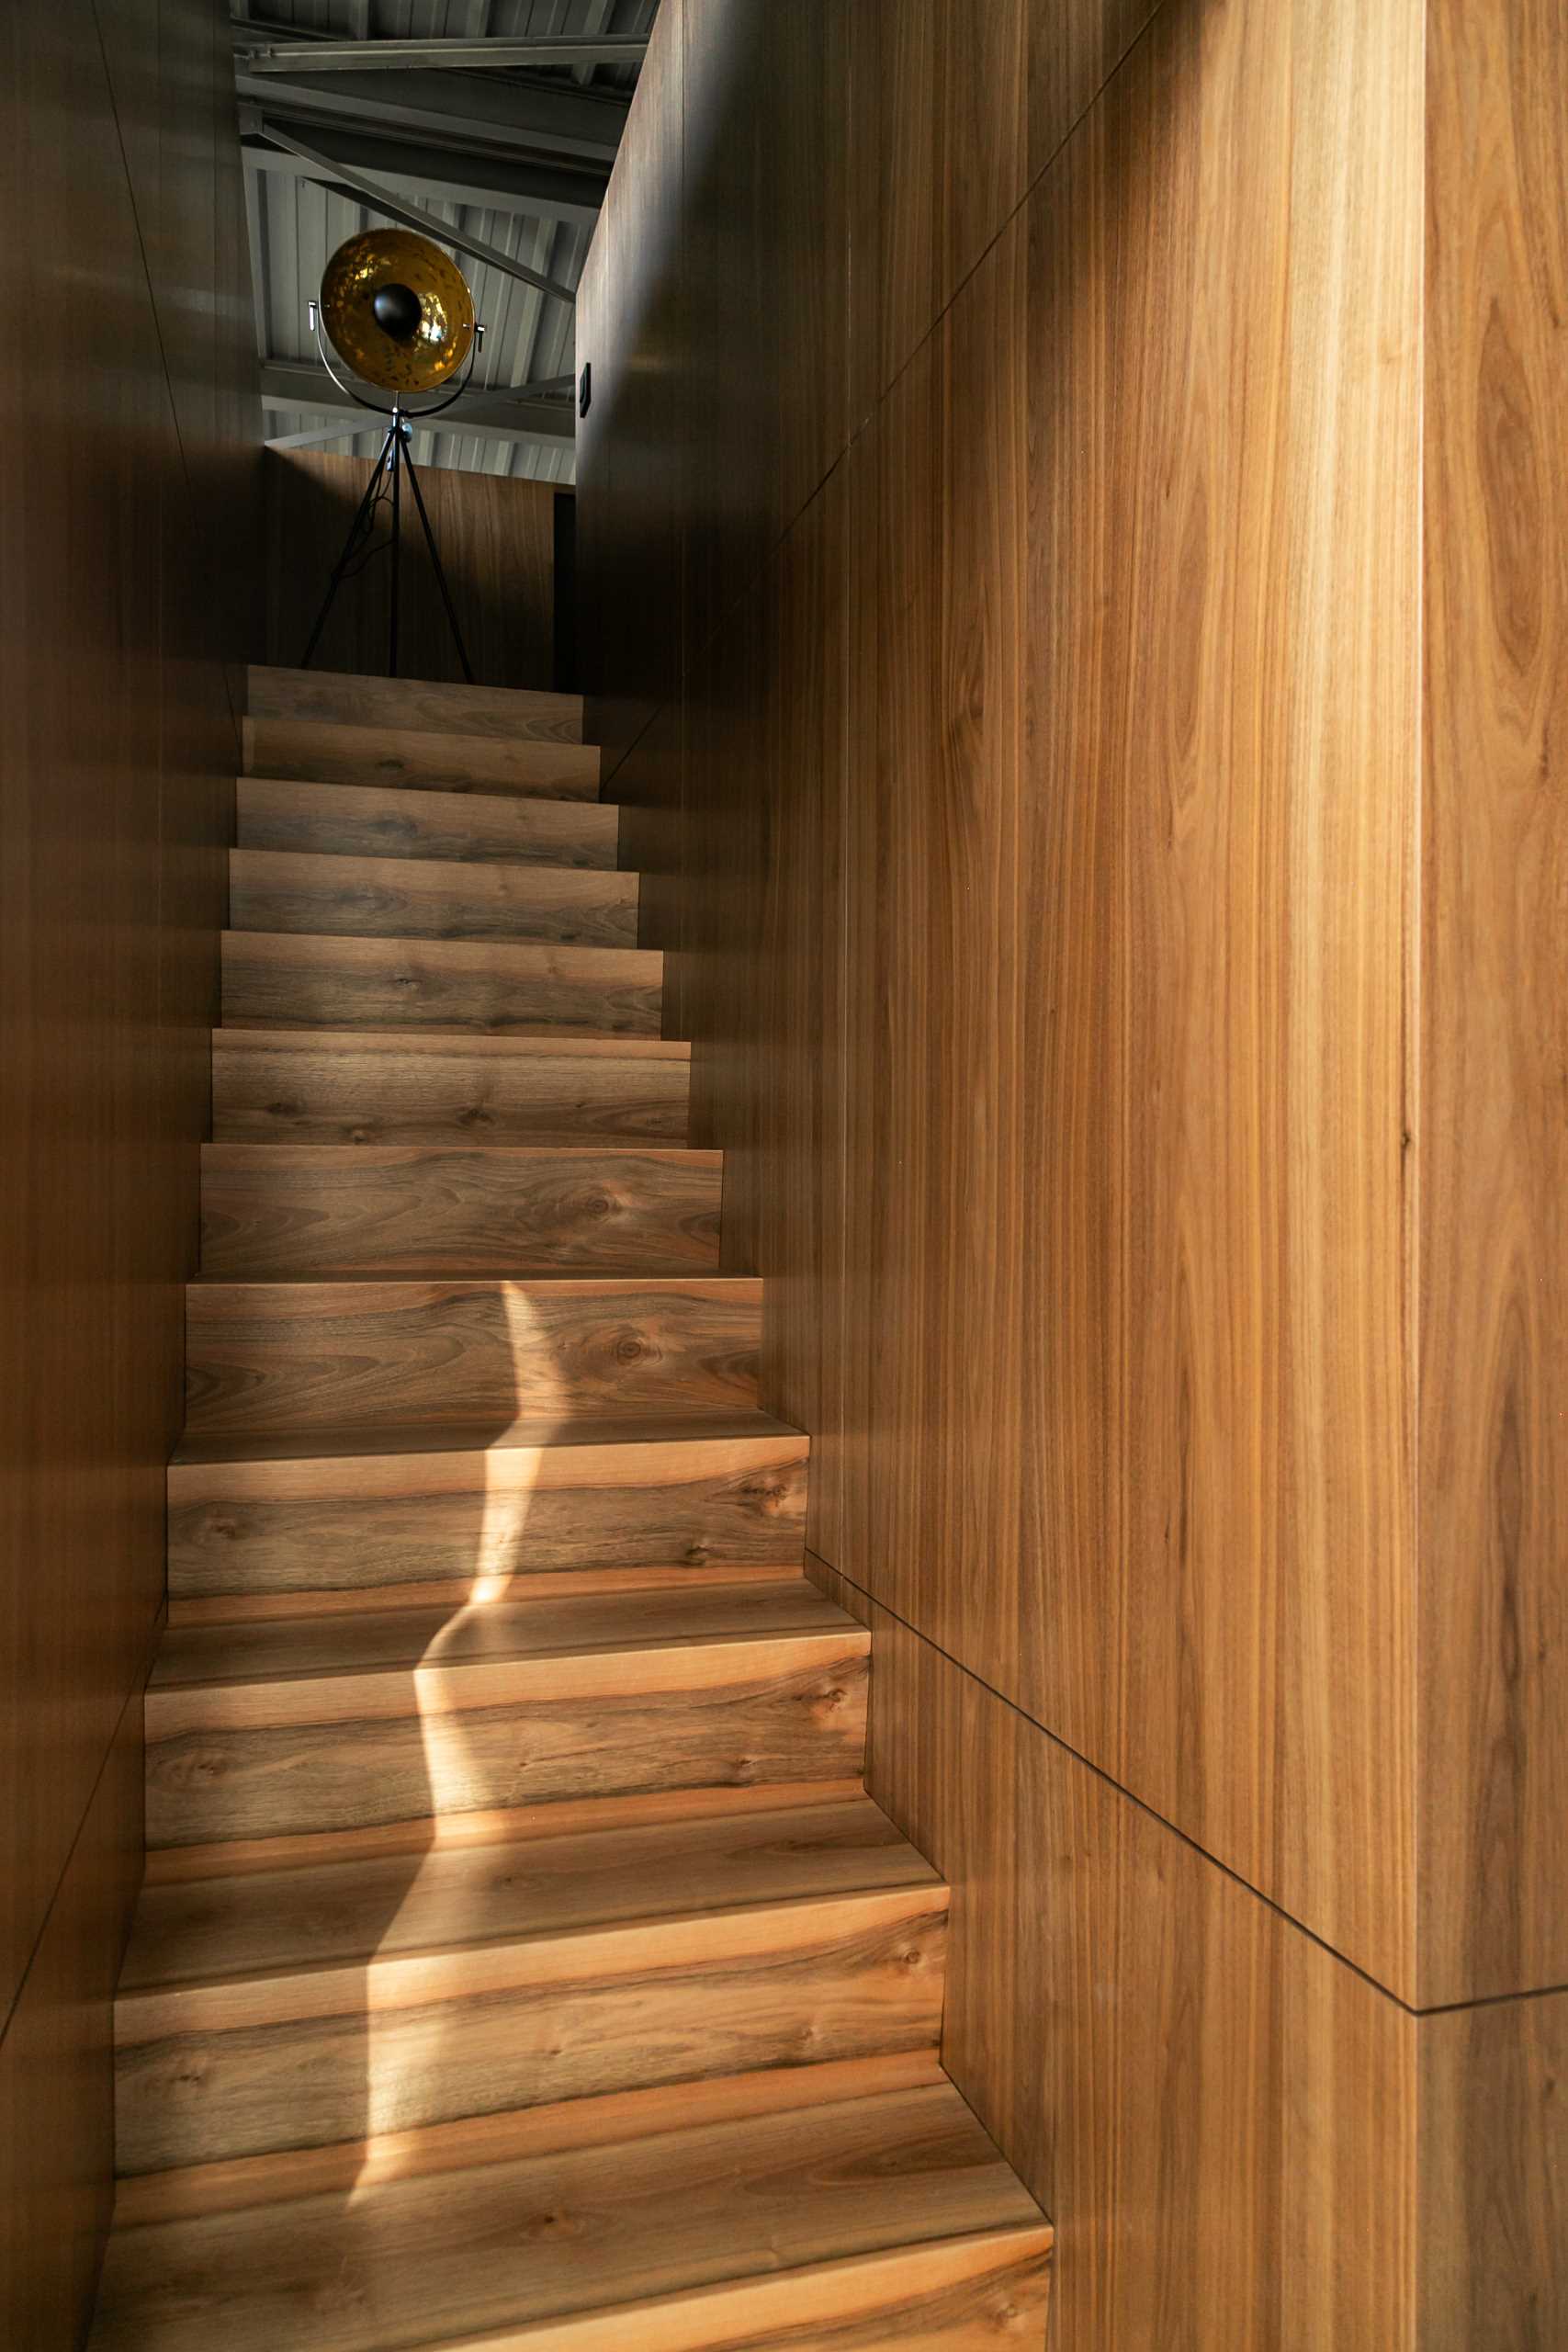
x,y
1101,797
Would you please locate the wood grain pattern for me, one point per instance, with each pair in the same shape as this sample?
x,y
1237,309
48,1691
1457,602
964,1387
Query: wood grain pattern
x,y
346,699
623,2009
1060,772
237,1857
278,979
1217,2103
276,1210
496,541
389,758
57,2123
270,1928
126,482
369,1088
1111,1389
956,115
192,2191
356,821
1493,1779
368,1521
491,1977
759,1711
419,899
1493,2166
910,2171
297,1356
313,1671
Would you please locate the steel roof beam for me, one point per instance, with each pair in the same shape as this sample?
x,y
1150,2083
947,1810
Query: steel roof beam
x,y
553,119
489,181
466,56
396,208
495,416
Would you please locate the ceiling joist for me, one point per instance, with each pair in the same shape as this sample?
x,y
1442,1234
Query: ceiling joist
x,y
466,56
393,207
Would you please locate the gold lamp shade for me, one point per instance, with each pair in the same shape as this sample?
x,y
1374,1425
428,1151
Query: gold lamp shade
x,y
399,312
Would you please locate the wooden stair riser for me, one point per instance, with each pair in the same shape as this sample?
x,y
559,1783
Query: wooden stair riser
x,y
353,820
402,898
281,979
294,1759
280,1211
512,713
268,1528
328,752
361,1087
271,1357
242,2069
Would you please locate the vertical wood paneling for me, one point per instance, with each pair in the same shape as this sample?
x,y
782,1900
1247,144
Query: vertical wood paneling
x,y
129,466
1223,679
56,2082
1493,2177
1208,2104
497,542
1132,1022
1494,1143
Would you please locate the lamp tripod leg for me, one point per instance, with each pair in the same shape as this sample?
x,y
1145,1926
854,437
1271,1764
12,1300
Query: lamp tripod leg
x,y
440,575
357,531
395,438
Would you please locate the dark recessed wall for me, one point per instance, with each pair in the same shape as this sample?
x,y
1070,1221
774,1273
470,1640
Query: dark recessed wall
x,y
129,482
496,538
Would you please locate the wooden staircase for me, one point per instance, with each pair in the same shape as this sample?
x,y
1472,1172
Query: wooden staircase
x,y
520,1962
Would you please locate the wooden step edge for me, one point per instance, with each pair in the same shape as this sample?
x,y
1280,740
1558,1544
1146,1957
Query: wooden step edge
x,y
249,1857
519,1033
295,947
747,1289
258,1039
887,2289
242,2182
493,794
771,1929
337,864
355,1601
439,754
390,1693
514,703
235,1465
577,1457
268,1158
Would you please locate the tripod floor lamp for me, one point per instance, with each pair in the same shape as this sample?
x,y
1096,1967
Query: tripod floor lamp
x,y
398,313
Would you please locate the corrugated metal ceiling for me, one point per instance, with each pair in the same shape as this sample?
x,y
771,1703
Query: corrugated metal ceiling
x,y
537,143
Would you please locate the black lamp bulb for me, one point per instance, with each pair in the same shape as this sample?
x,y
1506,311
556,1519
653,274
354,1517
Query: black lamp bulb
x,y
396,311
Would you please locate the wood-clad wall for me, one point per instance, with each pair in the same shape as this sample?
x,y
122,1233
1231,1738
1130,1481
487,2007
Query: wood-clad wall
x,y
496,543
1076,560
128,474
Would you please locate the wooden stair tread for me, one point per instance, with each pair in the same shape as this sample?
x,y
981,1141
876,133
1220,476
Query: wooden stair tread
x,y
232,1157
328,893
680,2240
310,979
510,712
431,1042
522,1963
400,1642
424,822
353,1913
368,1450
387,756
291,1210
